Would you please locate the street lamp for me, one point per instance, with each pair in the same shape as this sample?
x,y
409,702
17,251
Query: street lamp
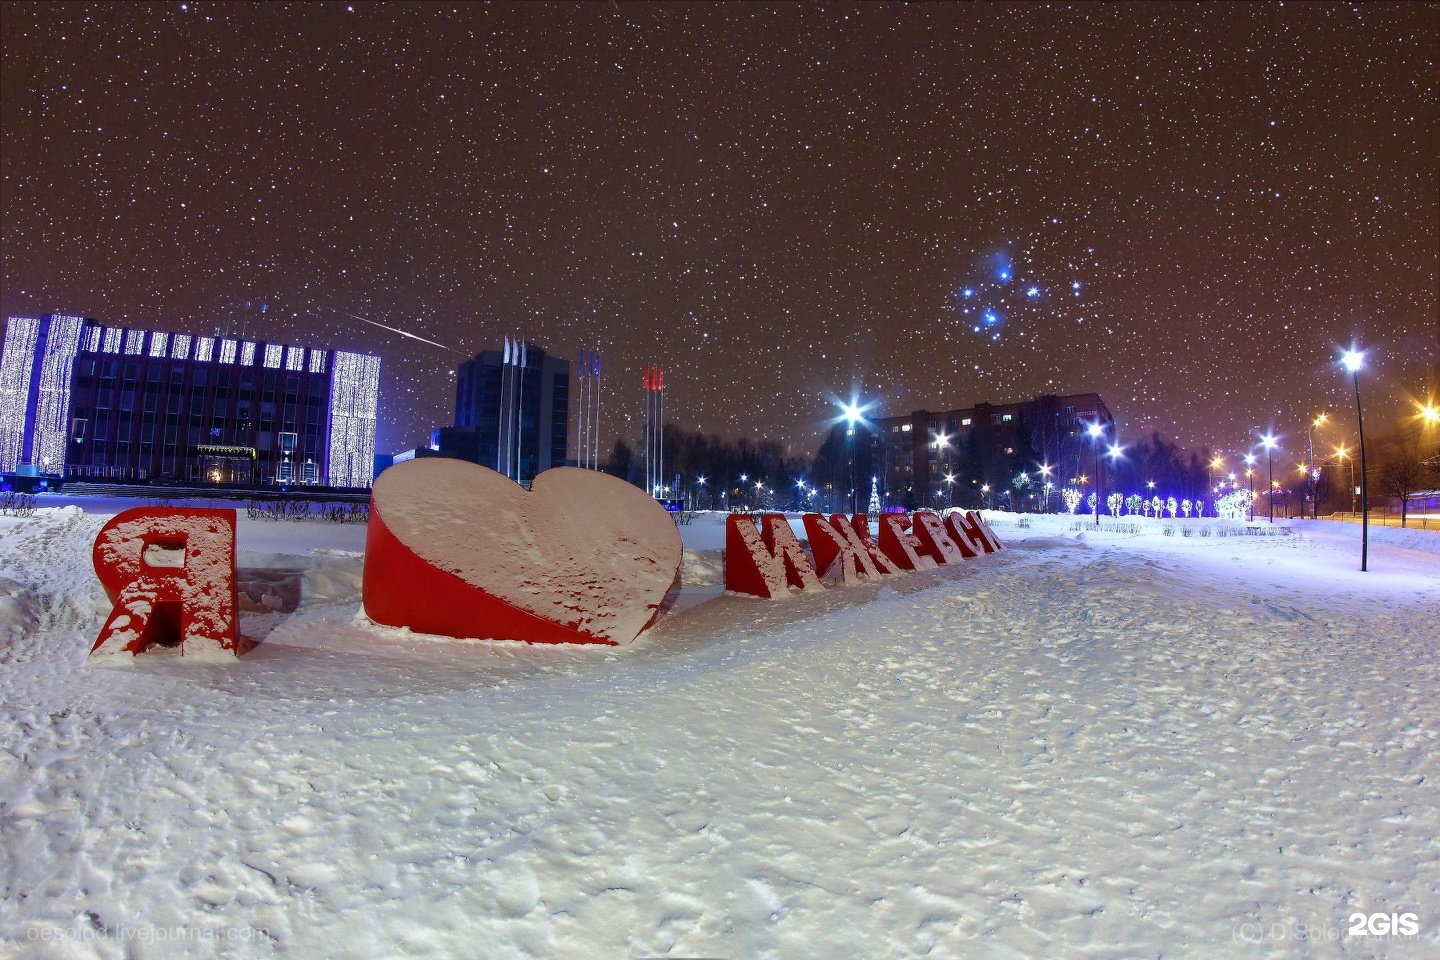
x,y
1250,479
949,490
1310,458
1215,464
1342,452
1268,441
852,413
1096,431
1113,453
1353,360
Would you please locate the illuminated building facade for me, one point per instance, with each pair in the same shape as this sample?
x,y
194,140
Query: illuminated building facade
x,y
984,447
85,400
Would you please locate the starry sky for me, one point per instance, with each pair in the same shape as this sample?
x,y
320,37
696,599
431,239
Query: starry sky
x,y
1186,208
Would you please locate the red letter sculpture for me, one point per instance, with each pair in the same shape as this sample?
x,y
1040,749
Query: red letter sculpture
x,y
935,543
839,555
972,533
170,572
902,548
860,523
764,565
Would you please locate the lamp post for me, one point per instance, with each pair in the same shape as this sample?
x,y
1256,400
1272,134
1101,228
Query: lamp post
x,y
1096,430
852,413
1114,453
1353,360
1268,441
1215,464
1250,479
1342,452
1310,464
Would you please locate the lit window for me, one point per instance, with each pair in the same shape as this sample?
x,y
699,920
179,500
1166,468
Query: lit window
x,y
965,422
907,428
159,343
135,342
247,354
180,347
1007,418
204,349
273,354
227,351
317,361
294,358
112,340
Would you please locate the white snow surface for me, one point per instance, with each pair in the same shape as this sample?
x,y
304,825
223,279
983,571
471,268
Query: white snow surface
x,y
1094,744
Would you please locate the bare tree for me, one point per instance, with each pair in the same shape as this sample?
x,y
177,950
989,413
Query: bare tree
x,y
1400,476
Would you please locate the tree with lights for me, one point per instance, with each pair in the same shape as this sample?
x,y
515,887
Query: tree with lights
x,y
1173,506
1072,498
1185,507
1113,502
1132,503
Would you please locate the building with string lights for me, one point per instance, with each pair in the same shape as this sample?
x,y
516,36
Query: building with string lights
x,y
84,400
930,459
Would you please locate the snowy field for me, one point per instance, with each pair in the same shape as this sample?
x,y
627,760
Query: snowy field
x,y
1094,744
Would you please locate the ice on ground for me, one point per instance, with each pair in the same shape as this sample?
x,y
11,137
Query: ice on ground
x,y
1094,744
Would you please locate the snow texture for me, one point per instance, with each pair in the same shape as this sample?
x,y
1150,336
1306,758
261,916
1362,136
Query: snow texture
x,y
1111,743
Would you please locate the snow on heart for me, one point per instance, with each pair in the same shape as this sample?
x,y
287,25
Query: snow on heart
x,y
460,550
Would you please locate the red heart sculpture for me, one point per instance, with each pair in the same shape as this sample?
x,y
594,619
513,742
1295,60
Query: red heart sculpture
x,y
457,549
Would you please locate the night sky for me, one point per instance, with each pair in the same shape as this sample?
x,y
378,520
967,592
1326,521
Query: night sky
x,y
1188,209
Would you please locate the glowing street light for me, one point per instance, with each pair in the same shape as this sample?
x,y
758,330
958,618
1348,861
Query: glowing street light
x,y
1268,442
853,413
1096,431
1353,360
1314,479
1250,479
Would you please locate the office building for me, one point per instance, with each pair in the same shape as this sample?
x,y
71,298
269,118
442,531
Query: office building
x,y
89,401
512,411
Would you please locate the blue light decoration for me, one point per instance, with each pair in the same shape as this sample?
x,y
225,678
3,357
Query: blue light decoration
x,y
1032,292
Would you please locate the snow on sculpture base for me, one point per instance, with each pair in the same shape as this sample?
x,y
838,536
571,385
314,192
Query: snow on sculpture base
x,y
460,550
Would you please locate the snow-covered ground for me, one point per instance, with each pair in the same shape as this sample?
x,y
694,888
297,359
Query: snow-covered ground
x,y
1095,744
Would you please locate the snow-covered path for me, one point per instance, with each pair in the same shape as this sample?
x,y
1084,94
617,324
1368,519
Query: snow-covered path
x,y
1099,747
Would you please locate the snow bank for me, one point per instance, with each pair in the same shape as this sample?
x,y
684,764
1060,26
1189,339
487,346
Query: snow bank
x,y
1092,745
